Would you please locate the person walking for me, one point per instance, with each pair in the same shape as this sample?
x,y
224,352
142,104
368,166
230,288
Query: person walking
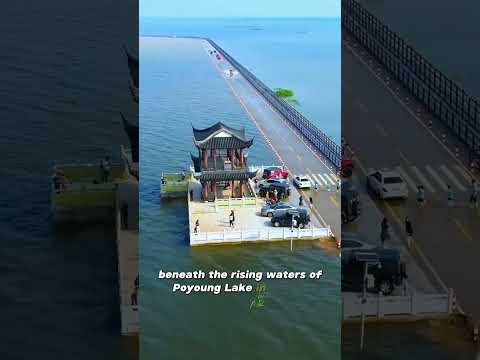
x,y
474,194
105,167
420,195
315,186
300,201
384,232
275,194
311,200
232,219
197,226
409,230
134,296
450,197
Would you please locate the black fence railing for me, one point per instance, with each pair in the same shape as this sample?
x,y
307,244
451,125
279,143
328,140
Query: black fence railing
x,y
314,135
443,97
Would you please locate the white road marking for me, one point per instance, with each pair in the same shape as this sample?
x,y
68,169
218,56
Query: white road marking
x,y
464,173
329,179
315,178
452,178
323,180
437,177
407,178
423,179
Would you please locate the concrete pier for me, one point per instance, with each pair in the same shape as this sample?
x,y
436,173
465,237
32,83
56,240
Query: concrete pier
x,y
249,225
290,147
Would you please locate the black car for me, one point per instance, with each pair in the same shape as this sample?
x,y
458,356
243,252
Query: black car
x,y
282,187
388,273
285,218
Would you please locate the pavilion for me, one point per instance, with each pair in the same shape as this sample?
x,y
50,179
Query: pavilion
x,y
221,164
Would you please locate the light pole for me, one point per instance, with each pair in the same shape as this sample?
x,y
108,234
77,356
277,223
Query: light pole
x,y
367,258
291,237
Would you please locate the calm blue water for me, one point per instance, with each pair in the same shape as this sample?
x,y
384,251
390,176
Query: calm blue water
x,y
64,80
300,54
180,87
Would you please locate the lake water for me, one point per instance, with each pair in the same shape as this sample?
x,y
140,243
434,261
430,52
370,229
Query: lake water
x,y
64,80
299,54
180,87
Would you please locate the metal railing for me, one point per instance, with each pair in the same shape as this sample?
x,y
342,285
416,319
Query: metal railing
x,y
378,306
314,135
252,235
448,101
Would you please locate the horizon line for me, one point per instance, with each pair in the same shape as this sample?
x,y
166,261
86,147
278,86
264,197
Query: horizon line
x,y
242,17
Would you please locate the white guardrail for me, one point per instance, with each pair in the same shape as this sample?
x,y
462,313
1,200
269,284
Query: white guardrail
x,y
378,306
243,235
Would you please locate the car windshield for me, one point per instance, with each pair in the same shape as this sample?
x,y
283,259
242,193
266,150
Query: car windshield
x,y
304,179
393,180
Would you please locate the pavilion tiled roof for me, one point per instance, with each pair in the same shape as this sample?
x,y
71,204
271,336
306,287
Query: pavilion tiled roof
x,y
222,175
207,139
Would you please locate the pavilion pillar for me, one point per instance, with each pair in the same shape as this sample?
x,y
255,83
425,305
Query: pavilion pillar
x,y
242,158
213,154
205,190
233,188
205,158
213,189
241,188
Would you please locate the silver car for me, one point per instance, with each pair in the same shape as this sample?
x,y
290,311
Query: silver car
x,y
269,210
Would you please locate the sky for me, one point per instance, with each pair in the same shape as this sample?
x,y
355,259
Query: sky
x,y
240,8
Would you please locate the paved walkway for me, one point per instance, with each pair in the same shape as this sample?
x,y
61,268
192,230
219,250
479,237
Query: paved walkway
x,y
289,147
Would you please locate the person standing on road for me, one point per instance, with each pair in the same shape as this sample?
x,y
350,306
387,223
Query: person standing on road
x,y
311,200
385,227
420,195
409,230
474,195
105,167
450,196
300,201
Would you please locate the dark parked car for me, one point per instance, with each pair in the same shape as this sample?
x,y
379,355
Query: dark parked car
x,y
282,187
389,273
285,218
270,209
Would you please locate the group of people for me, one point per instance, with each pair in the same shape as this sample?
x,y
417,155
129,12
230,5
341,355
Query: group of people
x,y
385,226
300,201
473,200
385,230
